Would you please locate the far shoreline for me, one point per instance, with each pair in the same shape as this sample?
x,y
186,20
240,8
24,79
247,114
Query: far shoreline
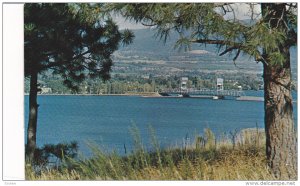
x,y
157,95
146,94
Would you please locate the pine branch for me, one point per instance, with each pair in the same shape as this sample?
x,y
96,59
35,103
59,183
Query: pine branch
x,y
58,63
232,46
228,50
292,38
217,42
237,55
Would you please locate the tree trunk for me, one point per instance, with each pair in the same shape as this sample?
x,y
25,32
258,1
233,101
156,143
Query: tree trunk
x,y
281,138
33,113
279,124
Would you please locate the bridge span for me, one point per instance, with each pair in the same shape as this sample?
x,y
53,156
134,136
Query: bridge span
x,y
203,92
218,93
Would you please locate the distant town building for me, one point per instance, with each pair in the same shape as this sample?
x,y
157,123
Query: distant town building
x,y
46,90
145,76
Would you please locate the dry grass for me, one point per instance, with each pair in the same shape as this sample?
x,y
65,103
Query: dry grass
x,y
243,159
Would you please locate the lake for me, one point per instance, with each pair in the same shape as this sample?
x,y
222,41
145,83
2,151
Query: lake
x,y
106,120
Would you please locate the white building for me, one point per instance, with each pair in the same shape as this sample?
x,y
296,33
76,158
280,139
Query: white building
x,y
220,84
183,83
46,90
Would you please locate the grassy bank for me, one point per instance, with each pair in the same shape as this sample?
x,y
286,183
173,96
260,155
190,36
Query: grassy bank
x,y
238,156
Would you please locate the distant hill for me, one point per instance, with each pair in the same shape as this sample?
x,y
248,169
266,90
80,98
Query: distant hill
x,y
147,42
149,47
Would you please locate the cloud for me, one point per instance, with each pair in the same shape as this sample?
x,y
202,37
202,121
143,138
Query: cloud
x,y
127,24
243,11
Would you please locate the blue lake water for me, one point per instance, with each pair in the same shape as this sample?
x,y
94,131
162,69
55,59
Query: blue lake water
x,y
105,120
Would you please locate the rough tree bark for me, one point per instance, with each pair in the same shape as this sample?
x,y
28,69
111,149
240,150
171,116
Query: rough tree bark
x,y
281,137
281,148
33,113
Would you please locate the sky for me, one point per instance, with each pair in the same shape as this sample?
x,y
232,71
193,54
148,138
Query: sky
x,y
123,24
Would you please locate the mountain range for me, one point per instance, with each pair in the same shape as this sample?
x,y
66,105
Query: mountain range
x,y
148,50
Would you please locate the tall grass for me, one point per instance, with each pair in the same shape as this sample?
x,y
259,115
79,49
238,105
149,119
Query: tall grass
x,y
205,159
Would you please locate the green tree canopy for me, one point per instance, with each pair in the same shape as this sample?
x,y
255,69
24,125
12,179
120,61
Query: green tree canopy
x,y
73,40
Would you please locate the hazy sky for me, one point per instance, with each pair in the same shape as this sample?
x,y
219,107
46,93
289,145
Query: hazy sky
x,y
242,11
122,23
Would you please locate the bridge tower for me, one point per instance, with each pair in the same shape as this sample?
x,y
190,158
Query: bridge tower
x,y
220,85
183,84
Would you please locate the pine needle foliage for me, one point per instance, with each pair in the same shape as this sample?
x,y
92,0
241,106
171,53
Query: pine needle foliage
x,y
75,40
208,23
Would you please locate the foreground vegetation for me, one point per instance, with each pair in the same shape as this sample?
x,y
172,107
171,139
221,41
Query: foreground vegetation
x,y
238,156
